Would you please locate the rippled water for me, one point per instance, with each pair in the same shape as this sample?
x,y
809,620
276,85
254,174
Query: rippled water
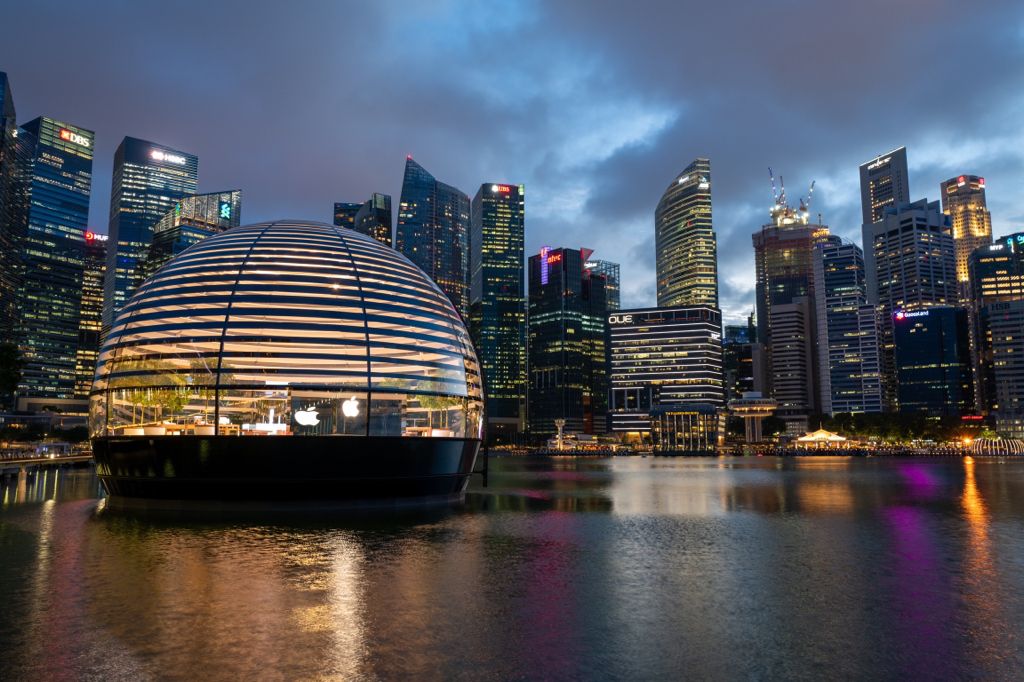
x,y
626,568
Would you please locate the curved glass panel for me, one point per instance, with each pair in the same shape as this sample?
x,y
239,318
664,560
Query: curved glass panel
x,y
288,328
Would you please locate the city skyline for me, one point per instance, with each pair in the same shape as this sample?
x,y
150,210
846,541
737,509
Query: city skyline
x,y
596,164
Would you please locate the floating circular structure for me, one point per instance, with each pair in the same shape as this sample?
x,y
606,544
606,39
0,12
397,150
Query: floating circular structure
x,y
286,363
997,447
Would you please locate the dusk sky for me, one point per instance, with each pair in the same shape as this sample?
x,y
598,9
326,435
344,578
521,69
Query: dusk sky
x,y
594,106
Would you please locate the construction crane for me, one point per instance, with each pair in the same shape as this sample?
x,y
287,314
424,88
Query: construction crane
x,y
807,206
774,192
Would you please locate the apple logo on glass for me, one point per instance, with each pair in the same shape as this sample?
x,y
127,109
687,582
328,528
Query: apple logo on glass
x,y
350,408
307,417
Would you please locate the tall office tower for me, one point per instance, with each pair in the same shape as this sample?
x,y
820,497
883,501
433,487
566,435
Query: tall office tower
x,y
610,271
568,361
933,366
848,341
374,218
149,179
738,357
433,232
90,323
345,214
193,219
784,264
963,200
12,221
996,274
497,313
659,357
883,182
59,182
684,240
914,268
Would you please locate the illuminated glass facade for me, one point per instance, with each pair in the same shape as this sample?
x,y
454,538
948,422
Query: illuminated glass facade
x,y
58,184
345,214
149,179
610,272
996,277
497,319
883,183
848,342
288,328
663,357
568,360
914,269
433,232
12,218
784,289
963,200
933,364
374,218
193,219
90,322
684,240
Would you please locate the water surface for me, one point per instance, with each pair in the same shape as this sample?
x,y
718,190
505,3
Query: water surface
x,y
617,569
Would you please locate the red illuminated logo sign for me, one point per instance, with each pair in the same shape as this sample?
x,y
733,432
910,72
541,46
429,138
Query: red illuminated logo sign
x,y
89,236
69,136
504,189
554,258
981,182
961,181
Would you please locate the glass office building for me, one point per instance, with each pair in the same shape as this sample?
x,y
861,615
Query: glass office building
x,y
12,221
345,214
304,331
684,240
610,272
149,179
933,363
90,322
192,220
963,200
849,354
567,338
59,182
662,357
497,318
433,232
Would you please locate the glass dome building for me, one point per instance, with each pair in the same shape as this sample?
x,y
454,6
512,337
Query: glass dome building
x,y
286,361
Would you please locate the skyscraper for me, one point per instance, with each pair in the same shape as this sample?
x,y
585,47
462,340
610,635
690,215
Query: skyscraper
x,y
12,221
433,232
611,275
883,182
374,218
345,214
193,219
933,364
568,361
784,264
149,179
59,183
684,240
963,200
848,340
497,317
914,269
90,323
662,357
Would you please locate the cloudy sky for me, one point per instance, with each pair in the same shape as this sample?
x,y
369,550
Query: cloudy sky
x,y
594,105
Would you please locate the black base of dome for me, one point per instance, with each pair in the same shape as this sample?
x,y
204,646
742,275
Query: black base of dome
x,y
264,472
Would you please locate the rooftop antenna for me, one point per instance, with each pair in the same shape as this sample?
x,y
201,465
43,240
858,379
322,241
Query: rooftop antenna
x,y
774,192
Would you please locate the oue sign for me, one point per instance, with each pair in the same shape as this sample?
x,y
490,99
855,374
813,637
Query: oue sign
x,y
620,319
